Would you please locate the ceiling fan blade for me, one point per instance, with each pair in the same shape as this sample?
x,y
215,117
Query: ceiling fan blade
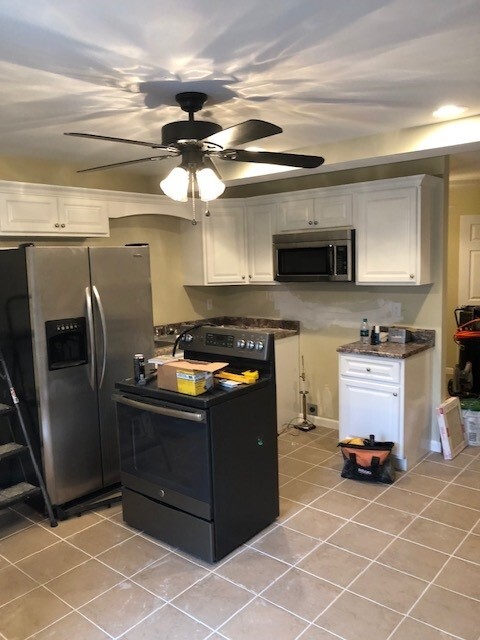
x,y
243,132
127,162
92,136
269,157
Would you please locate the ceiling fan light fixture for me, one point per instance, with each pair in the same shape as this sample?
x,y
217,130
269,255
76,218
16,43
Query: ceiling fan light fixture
x,y
175,185
209,184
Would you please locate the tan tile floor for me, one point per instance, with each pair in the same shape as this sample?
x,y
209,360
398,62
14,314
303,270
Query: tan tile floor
x,y
345,560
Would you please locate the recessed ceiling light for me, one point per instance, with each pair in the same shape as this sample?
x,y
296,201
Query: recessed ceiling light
x,y
449,111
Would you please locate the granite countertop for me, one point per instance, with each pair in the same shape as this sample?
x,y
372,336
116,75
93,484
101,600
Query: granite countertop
x,y
422,339
279,328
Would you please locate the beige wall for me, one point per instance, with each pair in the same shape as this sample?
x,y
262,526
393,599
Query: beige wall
x,y
64,174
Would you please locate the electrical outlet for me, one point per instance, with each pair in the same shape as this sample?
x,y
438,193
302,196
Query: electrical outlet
x,y
396,309
312,409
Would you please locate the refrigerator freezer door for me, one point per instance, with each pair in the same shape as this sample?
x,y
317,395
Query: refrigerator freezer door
x,y
122,303
67,404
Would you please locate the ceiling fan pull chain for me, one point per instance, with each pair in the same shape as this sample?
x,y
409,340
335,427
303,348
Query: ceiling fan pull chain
x,y
192,183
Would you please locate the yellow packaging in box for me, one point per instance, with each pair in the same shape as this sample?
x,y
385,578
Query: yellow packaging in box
x,y
191,377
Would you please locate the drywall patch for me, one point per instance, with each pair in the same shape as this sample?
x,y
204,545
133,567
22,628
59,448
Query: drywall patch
x,y
318,315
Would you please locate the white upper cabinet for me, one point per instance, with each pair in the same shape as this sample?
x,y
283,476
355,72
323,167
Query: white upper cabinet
x,y
225,244
392,220
83,216
231,246
315,209
43,210
260,227
28,209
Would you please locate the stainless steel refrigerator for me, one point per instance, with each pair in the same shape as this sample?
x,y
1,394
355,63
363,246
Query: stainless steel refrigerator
x,y
72,319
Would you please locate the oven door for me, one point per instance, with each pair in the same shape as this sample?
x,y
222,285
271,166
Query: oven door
x,y
165,452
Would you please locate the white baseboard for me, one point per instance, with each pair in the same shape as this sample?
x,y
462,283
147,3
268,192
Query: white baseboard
x,y
320,421
435,446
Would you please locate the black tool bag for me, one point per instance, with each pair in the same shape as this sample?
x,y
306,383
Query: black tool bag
x,y
371,461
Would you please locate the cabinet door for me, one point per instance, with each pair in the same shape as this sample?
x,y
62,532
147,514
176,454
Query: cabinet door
x,y
370,407
83,216
296,213
29,214
225,245
261,225
334,211
388,242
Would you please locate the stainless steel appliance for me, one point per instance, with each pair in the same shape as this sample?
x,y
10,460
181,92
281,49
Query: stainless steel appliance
x,y
201,472
315,256
71,319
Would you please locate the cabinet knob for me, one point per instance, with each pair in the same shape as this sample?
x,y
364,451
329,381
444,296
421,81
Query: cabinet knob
x,y
57,225
412,276
315,222
368,369
62,225
310,222
243,277
395,395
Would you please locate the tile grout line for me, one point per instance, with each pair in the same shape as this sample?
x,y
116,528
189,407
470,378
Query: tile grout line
x,y
372,501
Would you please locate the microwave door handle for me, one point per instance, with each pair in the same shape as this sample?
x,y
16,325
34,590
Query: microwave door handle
x,y
91,369
104,333
331,259
163,411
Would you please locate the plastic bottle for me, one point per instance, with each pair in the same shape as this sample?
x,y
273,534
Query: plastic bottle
x,y
375,336
364,332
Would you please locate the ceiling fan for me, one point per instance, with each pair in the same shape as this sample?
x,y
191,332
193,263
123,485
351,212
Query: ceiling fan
x,y
197,142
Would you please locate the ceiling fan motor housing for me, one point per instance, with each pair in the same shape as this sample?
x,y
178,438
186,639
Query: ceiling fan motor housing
x,y
188,130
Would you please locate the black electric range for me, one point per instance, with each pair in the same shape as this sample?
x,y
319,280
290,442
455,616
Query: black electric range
x,y
201,472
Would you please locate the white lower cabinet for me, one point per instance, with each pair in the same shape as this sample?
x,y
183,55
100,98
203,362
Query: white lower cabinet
x,y
389,398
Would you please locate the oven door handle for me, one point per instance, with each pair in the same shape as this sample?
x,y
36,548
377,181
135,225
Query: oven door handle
x,y
163,411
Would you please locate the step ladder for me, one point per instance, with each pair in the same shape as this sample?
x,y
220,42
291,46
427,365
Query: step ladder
x,y
18,447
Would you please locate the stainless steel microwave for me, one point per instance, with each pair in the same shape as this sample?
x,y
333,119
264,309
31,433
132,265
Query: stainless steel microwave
x,y
315,256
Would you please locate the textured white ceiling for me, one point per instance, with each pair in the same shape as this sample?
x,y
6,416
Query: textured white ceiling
x,y
323,70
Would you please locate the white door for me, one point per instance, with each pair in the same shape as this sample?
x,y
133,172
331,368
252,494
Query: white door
x,y
469,261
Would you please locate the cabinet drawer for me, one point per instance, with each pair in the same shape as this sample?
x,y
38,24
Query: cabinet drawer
x,y
381,369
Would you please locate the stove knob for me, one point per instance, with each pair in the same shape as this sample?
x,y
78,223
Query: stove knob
x,y
259,346
250,344
241,344
188,337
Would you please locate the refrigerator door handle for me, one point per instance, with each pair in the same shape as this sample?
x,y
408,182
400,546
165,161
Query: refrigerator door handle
x,y
91,371
104,333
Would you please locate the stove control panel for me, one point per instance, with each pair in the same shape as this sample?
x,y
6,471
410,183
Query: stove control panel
x,y
228,341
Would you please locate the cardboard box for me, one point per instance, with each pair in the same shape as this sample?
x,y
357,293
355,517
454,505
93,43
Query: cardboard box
x,y
191,377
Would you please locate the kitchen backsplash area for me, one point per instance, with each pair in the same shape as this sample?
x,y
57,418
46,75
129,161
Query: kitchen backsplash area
x,y
281,328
